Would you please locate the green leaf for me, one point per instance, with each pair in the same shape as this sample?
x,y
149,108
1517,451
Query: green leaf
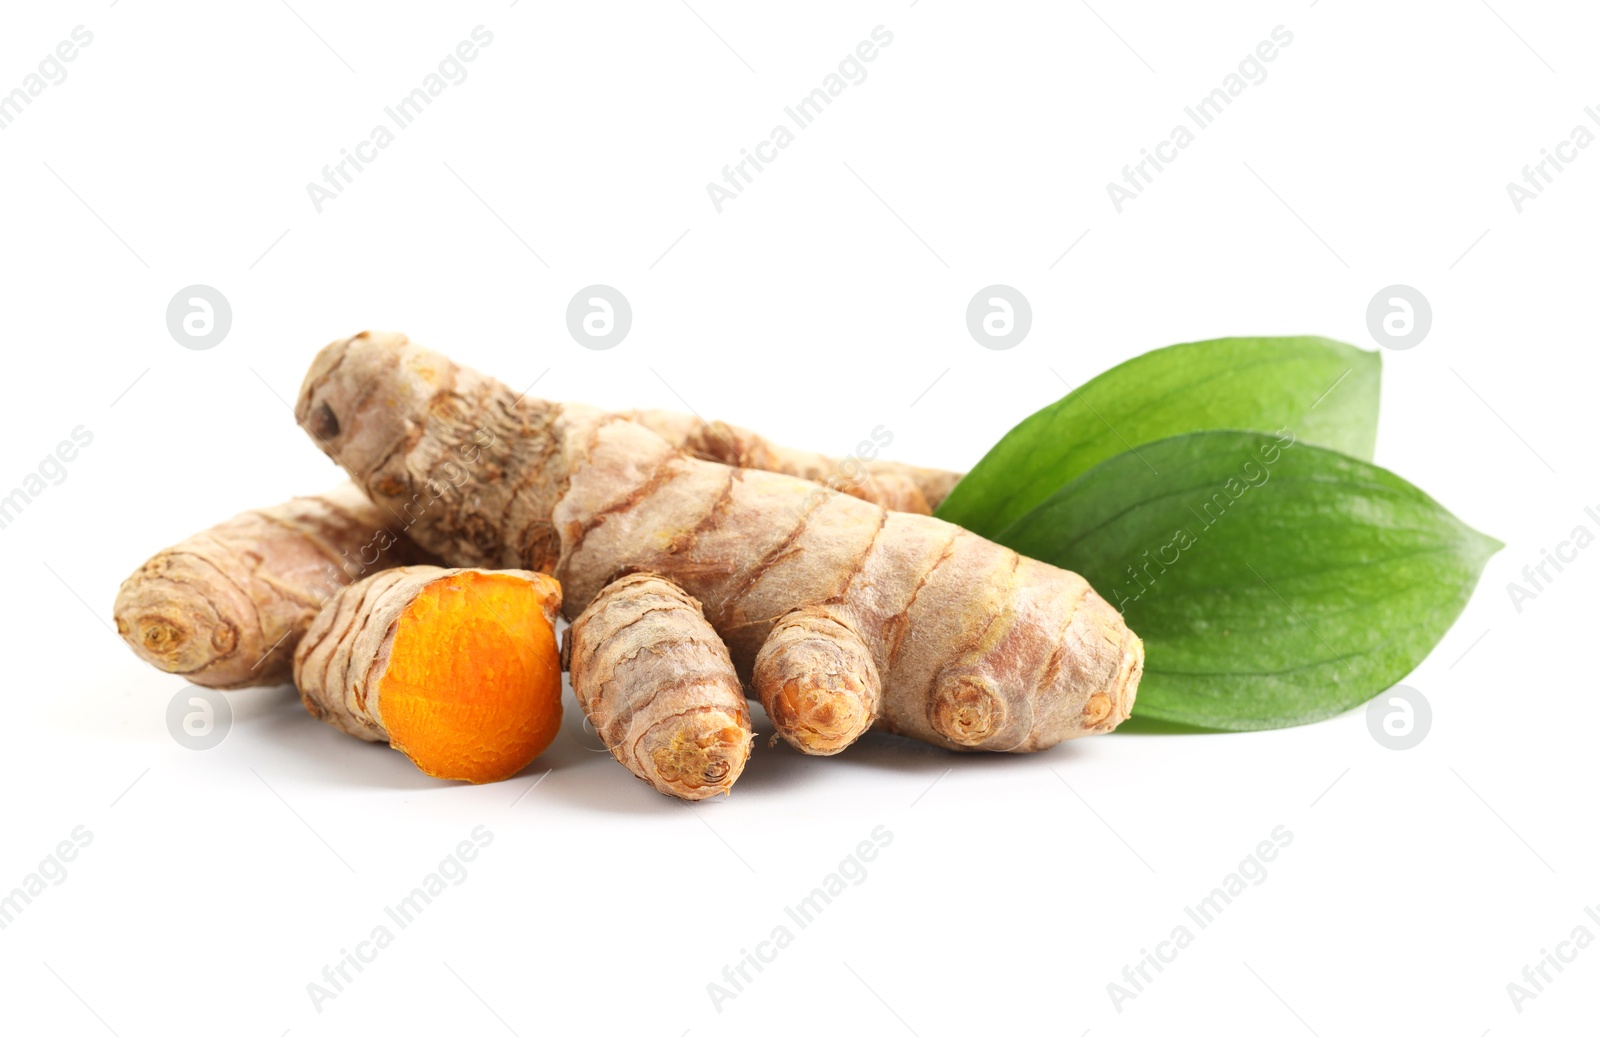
x,y
1326,391
1274,582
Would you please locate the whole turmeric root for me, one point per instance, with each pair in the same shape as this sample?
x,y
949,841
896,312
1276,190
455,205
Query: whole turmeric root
x,y
456,668
975,647
226,607
657,683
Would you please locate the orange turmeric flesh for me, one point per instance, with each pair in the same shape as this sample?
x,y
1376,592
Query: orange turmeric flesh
x,y
456,668
473,687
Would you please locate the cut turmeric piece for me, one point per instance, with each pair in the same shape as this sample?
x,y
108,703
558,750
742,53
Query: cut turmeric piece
x,y
457,668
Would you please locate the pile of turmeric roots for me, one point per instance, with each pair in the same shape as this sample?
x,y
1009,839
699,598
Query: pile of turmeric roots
x,y
696,563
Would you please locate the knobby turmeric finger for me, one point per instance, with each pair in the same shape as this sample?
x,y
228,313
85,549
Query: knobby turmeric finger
x,y
456,668
226,607
657,684
817,681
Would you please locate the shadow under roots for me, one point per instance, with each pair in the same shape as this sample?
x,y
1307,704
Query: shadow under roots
x,y
579,769
582,770
324,753
781,766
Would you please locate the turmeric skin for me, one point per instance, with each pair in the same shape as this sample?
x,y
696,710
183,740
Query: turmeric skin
x,y
890,484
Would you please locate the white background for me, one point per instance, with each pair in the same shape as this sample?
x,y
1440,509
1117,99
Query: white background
x,y
826,300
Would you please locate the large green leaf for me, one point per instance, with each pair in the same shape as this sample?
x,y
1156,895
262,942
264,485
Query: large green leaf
x,y
1325,390
1274,582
